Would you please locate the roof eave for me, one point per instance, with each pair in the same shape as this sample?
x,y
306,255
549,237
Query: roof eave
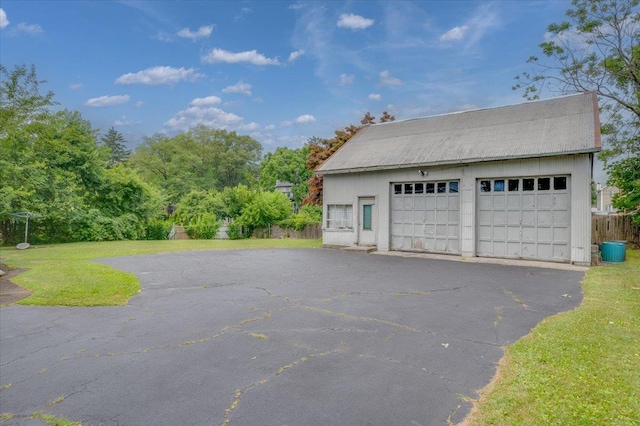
x,y
451,162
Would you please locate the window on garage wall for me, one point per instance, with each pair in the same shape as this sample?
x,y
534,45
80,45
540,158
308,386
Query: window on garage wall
x,y
340,216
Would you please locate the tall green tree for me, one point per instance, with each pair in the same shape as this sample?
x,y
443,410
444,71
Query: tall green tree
x,y
598,49
288,165
201,159
51,164
116,144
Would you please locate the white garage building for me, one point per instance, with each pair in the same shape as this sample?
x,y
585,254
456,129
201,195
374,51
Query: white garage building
x,y
509,182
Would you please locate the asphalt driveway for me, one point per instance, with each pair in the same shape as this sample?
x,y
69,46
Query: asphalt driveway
x,y
277,337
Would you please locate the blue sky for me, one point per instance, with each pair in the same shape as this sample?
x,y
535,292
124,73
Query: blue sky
x,y
276,70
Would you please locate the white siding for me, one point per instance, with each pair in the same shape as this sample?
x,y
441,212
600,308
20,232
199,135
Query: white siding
x,y
346,188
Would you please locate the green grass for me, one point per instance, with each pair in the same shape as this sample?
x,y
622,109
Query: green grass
x,y
576,368
63,274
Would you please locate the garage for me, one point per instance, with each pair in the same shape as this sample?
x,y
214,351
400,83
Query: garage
x,y
505,182
425,216
526,217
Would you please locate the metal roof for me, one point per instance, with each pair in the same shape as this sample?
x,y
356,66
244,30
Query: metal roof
x,y
558,126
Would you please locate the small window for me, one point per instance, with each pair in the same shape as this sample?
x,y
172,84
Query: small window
x,y
442,187
366,217
418,188
430,188
397,188
340,216
408,188
453,187
560,183
514,185
528,184
498,185
544,184
485,186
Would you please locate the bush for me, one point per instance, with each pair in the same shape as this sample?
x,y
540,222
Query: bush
x,y
203,227
307,215
157,230
235,232
266,208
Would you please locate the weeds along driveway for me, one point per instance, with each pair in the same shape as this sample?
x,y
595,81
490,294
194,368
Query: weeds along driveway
x,y
277,337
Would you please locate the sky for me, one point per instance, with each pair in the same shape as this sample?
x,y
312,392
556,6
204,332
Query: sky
x,y
279,71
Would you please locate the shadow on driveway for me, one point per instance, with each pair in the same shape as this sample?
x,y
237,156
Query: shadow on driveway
x,y
274,337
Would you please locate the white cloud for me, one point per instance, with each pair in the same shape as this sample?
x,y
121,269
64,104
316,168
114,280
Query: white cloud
x,y
203,32
270,127
103,101
296,6
75,86
205,102
286,124
239,87
295,55
244,11
455,33
138,104
159,75
250,127
162,36
346,79
472,31
3,19
124,122
250,56
374,96
306,118
31,29
387,80
354,22
197,114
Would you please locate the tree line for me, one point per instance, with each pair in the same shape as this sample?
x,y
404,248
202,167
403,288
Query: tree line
x,y
87,187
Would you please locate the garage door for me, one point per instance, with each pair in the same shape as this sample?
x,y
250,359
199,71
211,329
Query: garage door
x,y
425,216
524,218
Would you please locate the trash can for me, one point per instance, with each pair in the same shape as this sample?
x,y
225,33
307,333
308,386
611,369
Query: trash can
x,y
613,251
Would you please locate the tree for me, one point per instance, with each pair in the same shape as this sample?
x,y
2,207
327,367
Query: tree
x,y
321,149
51,164
288,165
115,143
201,159
266,208
598,49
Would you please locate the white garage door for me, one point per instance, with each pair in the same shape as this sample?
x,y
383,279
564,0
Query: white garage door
x,y
524,218
425,216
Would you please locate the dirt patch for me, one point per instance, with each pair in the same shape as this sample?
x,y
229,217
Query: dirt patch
x,y
9,291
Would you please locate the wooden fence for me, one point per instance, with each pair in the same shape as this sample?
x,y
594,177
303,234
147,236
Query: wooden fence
x,y
614,228
313,231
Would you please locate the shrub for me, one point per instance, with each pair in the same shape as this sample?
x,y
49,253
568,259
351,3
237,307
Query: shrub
x,y
157,230
203,227
307,215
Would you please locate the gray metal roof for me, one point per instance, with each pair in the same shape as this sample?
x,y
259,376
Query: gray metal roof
x,y
558,126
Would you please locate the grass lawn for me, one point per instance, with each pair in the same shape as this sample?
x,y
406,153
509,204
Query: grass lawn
x,y
63,274
576,368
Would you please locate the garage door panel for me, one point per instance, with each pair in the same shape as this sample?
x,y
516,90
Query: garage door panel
x,y
544,201
454,203
561,201
513,202
527,218
407,203
528,201
544,217
499,202
419,203
545,234
561,234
